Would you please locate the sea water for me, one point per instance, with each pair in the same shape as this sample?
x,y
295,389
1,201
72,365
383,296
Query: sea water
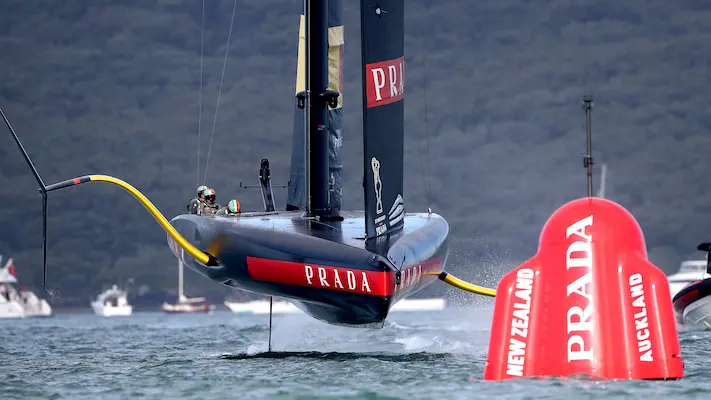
x,y
417,355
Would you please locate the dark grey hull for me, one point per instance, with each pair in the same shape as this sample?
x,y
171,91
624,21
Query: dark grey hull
x,y
326,269
692,305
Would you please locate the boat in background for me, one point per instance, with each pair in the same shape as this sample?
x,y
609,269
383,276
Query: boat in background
x,y
692,304
284,307
689,271
433,304
112,302
279,306
19,303
186,304
34,306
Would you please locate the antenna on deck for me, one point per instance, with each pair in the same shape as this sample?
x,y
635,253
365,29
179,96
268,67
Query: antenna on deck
x,y
42,190
265,184
587,159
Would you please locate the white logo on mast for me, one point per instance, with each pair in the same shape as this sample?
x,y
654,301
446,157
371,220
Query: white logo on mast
x,y
377,185
397,211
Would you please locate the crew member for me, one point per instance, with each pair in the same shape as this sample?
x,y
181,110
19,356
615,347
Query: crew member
x,y
209,206
195,206
231,208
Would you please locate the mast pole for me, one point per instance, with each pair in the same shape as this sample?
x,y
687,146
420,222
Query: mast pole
x,y
588,160
306,105
318,98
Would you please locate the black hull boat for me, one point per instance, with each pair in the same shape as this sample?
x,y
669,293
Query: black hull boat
x,y
692,305
327,270
341,267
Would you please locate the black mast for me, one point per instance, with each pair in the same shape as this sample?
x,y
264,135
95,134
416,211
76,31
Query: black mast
x,y
382,26
588,160
317,99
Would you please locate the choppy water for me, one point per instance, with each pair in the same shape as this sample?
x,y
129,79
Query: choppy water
x,y
220,356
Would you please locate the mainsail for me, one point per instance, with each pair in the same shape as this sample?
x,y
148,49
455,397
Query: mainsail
x,y
382,26
296,198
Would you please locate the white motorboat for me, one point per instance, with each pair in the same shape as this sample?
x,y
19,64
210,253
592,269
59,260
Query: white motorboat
x,y
433,304
689,271
19,303
111,303
285,307
692,303
262,307
34,306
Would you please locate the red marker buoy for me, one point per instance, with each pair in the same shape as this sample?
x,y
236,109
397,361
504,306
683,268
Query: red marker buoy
x,y
589,302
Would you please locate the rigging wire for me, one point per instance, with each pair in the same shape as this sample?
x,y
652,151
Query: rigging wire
x,y
202,47
219,91
443,276
425,167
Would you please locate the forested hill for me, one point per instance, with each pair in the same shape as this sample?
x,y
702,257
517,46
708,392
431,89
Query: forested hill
x,y
113,87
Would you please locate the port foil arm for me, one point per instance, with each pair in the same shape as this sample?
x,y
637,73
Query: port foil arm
x,y
196,253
